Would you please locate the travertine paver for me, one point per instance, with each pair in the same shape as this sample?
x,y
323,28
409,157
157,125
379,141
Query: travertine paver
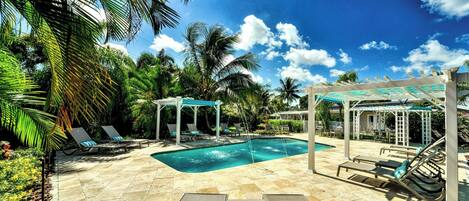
x,y
137,176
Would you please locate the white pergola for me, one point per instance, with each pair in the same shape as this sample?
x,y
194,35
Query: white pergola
x,y
401,115
439,89
179,103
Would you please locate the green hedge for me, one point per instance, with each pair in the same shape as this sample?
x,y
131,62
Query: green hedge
x,y
295,126
19,175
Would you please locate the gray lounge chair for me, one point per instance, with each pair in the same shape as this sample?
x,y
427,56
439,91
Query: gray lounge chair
x,y
407,176
204,197
116,137
383,162
172,133
85,142
225,130
193,131
284,197
239,129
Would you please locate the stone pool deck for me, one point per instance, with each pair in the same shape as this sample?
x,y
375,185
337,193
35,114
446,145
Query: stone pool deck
x,y
137,176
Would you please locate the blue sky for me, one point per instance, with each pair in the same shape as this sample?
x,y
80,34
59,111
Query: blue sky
x,y
314,40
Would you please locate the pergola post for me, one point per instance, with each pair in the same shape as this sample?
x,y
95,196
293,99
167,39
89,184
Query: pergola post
x,y
311,131
451,125
195,115
347,128
217,128
178,119
158,108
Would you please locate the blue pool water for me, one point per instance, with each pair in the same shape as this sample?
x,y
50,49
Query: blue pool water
x,y
232,155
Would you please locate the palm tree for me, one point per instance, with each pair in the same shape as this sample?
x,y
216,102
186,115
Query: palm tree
x,y
253,105
165,60
289,89
145,86
146,60
212,72
70,32
350,76
18,103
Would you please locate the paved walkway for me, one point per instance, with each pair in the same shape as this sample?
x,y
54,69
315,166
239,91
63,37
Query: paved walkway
x,y
137,176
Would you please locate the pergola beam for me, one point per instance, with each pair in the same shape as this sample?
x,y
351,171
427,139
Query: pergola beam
x,y
369,86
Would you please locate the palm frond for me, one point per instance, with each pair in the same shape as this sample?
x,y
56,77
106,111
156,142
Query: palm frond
x,y
17,99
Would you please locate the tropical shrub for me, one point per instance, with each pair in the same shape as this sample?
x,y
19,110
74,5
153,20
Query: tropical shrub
x,y
295,126
20,174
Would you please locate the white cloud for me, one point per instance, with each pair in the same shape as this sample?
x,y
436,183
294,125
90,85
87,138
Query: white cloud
x,y
254,31
433,54
364,68
336,73
344,57
163,41
254,77
90,8
271,55
298,57
289,33
381,45
396,69
300,74
462,39
121,48
448,8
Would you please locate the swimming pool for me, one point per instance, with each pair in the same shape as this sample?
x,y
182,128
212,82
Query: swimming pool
x,y
232,155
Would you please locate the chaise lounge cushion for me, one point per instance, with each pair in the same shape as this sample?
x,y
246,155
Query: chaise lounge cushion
x,y
117,138
401,170
88,143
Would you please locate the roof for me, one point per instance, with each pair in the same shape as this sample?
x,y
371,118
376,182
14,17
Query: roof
x,y
427,87
291,112
431,88
186,101
392,108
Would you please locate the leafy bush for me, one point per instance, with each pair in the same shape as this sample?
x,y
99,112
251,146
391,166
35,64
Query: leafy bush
x,y
295,126
20,174
270,132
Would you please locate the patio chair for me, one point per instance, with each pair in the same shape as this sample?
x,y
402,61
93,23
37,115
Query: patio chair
x,y
172,133
383,162
407,175
284,197
116,137
239,129
193,131
204,197
225,130
85,142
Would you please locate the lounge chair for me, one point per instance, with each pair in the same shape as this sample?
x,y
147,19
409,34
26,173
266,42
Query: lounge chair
x,y
204,197
116,137
407,150
407,175
193,131
383,162
172,133
284,197
239,129
225,130
85,142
